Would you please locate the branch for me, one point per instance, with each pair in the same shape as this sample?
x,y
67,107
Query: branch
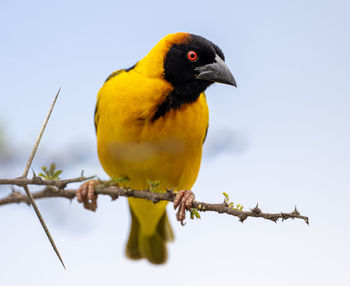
x,y
115,192
60,184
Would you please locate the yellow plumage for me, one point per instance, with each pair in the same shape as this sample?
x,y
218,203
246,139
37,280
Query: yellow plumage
x,y
131,144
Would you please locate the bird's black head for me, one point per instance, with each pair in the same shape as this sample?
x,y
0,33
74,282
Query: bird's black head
x,y
196,63
191,66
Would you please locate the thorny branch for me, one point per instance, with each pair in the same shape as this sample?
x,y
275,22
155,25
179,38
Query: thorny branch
x,y
55,188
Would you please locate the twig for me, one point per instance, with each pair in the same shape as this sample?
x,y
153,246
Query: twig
x,y
115,192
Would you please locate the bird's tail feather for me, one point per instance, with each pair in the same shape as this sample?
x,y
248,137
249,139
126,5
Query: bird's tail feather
x,y
152,247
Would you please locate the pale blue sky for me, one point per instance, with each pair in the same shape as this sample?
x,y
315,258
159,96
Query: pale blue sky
x,y
281,138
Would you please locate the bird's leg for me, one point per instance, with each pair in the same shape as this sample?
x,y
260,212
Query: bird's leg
x,y
86,195
183,200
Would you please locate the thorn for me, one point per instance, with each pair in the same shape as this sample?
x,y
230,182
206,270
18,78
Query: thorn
x,y
242,217
25,173
62,187
35,148
34,175
114,197
306,220
285,216
256,209
43,224
37,179
274,219
171,193
295,212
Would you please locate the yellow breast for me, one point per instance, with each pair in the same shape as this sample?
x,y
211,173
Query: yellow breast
x,y
130,144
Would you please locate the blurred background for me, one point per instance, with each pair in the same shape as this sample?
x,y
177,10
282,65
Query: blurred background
x,y
281,139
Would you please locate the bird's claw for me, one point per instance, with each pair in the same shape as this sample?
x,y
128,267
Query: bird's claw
x,y
86,195
183,200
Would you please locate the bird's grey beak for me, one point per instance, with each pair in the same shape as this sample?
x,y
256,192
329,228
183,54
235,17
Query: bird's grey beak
x,y
217,71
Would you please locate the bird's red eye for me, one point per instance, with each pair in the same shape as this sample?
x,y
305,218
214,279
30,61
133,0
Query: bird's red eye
x,y
192,56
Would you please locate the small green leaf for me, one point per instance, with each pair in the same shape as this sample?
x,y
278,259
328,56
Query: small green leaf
x,y
50,173
58,172
195,213
154,186
227,198
232,205
121,179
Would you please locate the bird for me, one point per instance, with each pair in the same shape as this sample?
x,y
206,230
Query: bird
x,y
151,122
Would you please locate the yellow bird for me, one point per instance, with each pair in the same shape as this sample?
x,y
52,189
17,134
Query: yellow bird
x,y
151,122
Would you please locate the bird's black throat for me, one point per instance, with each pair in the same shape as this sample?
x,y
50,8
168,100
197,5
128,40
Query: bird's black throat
x,y
185,93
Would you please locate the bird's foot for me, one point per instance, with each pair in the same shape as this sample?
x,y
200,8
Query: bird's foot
x,y
86,195
183,200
